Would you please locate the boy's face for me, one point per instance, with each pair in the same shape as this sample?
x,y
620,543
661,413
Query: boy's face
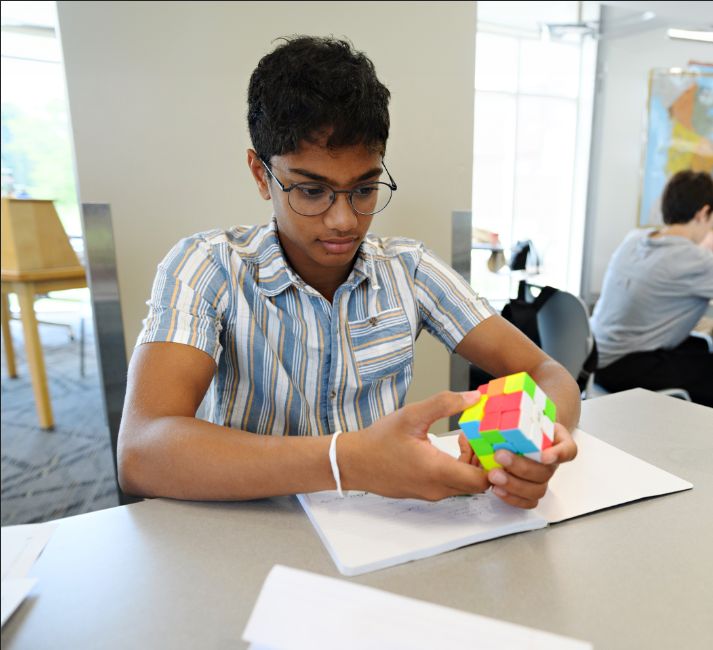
x,y
329,240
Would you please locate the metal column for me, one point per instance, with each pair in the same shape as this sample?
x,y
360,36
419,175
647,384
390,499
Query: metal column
x,y
103,283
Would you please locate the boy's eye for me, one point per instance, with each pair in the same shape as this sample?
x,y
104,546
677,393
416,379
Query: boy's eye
x,y
311,191
366,190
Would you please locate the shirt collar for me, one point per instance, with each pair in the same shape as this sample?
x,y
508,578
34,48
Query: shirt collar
x,y
274,273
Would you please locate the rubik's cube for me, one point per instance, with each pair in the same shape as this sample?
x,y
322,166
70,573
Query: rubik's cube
x,y
513,413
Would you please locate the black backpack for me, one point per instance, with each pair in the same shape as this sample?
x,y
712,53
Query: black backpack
x,y
523,315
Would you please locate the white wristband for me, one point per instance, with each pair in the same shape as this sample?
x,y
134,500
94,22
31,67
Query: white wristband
x,y
333,461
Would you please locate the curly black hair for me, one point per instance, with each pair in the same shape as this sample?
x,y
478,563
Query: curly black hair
x,y
310,87
685,194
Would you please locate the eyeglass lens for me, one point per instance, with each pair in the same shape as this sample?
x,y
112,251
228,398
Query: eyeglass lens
x,y
311,199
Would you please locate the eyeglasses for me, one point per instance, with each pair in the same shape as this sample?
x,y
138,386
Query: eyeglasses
x,y
313,199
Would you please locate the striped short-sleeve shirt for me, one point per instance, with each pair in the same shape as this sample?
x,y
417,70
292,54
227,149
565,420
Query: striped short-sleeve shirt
x,y
288,361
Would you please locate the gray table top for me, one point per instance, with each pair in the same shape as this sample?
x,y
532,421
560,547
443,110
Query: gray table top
x,y
172,574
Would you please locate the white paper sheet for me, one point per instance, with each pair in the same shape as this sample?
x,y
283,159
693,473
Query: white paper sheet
x,y
13,593
601,476
365,532
20,546
297,610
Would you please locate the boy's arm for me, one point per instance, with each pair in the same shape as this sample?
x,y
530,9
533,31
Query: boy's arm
x,y
499,348
163,450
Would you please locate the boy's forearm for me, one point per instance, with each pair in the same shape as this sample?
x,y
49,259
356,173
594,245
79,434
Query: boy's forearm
x,y
185,458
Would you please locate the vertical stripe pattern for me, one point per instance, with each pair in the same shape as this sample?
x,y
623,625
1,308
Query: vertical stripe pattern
x,y
288,361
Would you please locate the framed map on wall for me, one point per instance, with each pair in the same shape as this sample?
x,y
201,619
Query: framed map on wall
x,y
679,133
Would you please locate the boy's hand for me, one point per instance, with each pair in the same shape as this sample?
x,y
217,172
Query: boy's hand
x,y
523,482
394,458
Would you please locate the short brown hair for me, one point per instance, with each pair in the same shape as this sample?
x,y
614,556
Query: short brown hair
x,y
686,193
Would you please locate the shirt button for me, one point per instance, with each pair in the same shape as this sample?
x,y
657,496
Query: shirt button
x,y
333,395
373,322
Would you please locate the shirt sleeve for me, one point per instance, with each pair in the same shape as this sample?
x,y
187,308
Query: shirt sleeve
x,y
701,277
187,298
448,306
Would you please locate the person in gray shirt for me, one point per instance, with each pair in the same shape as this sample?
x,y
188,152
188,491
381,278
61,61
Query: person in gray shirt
x,y
656,288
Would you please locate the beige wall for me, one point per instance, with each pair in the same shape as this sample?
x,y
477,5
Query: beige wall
x,y
157,101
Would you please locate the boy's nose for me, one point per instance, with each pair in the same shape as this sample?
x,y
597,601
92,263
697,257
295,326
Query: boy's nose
x,y
340,216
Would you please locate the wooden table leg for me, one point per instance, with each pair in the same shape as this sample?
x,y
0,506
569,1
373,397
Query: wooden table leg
x,y
7,336
26,297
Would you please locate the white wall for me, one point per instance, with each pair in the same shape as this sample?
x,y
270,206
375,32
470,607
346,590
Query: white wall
x,y
624,66
157,100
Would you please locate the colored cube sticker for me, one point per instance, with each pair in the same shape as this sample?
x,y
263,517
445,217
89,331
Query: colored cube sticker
x,y
513,413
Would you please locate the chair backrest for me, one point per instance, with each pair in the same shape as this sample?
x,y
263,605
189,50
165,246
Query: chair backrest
x,y
565,333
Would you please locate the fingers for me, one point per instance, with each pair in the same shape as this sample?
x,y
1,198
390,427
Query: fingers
x,y
440,406
466,451
564,448
524,468
515,486
518,502
523,482
467,455
462,478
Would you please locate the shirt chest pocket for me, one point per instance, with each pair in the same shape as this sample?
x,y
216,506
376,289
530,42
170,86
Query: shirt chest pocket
x,y
382,344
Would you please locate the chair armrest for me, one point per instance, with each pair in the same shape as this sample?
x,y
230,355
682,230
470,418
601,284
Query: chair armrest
x,y
706,337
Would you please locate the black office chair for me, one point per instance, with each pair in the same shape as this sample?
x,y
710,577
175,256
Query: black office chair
x,y
566,335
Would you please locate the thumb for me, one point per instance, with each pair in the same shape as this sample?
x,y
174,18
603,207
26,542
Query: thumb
x,y
442,405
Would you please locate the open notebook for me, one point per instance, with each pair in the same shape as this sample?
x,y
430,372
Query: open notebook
x,y
365,532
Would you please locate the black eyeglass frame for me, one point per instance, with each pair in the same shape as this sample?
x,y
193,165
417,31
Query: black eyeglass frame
x,y
287,190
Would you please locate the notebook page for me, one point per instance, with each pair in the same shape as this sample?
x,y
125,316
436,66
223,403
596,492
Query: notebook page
x,y
365,532
320,613
601,476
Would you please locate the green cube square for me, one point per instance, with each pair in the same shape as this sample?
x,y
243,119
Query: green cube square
x,y
550,409
481,447
492,436
530,386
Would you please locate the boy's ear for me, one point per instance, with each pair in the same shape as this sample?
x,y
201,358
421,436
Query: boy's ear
x,y
259,173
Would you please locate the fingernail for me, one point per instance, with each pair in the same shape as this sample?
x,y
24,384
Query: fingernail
x,y
504,458
499,492
550,460
498,477
469,393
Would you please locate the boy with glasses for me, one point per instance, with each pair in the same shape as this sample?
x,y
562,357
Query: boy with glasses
x,y
303,329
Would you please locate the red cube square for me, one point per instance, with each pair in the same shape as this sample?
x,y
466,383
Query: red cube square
x,y
512,401
509,420
495,404
490,421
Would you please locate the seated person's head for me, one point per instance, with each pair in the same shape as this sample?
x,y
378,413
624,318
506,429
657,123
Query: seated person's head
x,y
318,112
687,201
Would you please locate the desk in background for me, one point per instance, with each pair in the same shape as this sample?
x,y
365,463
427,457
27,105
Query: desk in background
x,y
173,574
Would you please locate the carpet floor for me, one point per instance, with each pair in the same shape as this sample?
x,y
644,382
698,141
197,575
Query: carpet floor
x,y
67,471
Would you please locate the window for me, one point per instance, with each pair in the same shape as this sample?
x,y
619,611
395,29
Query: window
x,y
36,147
526,127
